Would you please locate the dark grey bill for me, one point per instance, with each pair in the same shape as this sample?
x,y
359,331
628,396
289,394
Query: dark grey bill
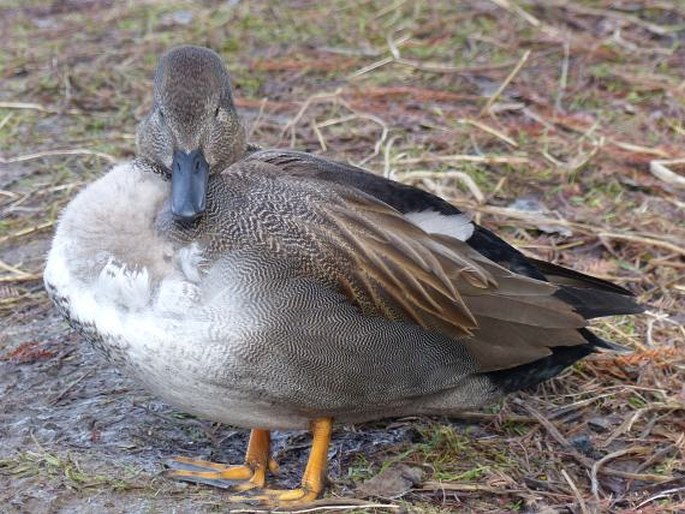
x,y
189,175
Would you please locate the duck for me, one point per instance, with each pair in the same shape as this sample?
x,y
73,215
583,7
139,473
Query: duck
x,y
273,289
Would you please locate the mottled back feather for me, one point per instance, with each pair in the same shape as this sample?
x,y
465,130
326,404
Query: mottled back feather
x,y
384,264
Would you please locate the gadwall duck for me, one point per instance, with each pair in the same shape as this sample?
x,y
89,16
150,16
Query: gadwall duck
x,y
273,289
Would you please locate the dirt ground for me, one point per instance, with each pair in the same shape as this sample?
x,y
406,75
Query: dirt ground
x,y
561,125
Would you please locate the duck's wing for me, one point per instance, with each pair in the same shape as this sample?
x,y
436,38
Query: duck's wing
x,y
590,297
406,199
390,267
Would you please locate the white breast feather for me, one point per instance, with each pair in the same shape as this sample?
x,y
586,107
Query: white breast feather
x,y
123,286
189,259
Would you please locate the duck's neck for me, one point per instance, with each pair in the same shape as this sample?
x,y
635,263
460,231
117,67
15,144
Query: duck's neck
x,y
148,166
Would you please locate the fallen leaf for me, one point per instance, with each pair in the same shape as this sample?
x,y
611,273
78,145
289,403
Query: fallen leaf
x,y
393,482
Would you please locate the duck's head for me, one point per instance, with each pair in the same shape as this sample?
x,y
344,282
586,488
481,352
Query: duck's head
x,y
193,130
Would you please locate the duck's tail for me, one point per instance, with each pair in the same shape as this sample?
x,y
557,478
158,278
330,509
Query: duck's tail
x,y
561,357
589,296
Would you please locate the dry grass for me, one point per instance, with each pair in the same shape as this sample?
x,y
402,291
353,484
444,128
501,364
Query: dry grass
x,y
483,102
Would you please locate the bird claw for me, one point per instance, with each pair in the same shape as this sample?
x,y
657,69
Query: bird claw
x,y
279,497
239,477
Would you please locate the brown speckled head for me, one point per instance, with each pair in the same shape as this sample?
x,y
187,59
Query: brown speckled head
x,y
193,110
192,126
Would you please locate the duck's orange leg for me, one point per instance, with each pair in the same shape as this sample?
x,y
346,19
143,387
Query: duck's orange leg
x,y
314,475
249,475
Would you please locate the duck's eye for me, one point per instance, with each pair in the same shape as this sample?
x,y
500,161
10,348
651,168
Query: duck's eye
x,y
216,113
161,114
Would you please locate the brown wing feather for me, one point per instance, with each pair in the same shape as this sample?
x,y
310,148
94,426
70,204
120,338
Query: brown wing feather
x,y
397,266
391,267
